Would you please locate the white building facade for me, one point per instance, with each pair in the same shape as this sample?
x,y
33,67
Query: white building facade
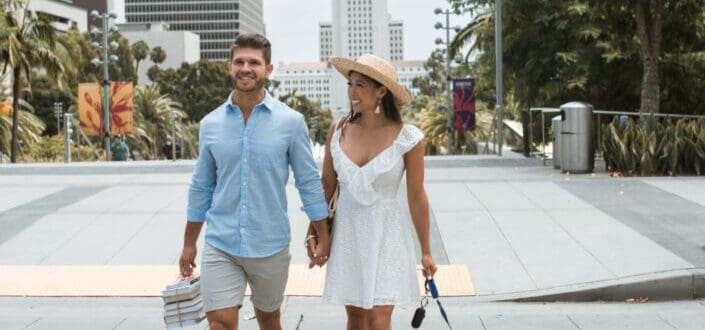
x,y
179,46
65,15
309,79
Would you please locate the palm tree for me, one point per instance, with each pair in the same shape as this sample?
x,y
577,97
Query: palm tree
x,y
30,127
475,33
140,50
28,42
152,118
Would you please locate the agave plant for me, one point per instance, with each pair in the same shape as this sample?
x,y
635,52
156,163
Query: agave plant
x,y
652,147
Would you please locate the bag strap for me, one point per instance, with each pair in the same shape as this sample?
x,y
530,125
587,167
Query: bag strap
x,y
333,202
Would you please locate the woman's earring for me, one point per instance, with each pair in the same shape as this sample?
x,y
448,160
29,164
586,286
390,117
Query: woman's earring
x,y
377,110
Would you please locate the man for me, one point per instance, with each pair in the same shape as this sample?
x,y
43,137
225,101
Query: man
x,y
238,188
119,149
168,148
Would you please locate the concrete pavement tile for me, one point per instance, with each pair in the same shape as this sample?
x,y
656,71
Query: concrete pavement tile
x,y
157,198
18,322
180,179
447,197
500,195
38,242
676,223
620,249
34,179
527,322
684,320
129,198
549,196
158,242
99,241
472,238
607,322
692,189
550,255
15,196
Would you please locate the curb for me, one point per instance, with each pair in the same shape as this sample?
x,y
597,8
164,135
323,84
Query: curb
x,y
681,284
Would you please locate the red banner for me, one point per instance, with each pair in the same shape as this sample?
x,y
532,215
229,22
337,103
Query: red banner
x,y
464,104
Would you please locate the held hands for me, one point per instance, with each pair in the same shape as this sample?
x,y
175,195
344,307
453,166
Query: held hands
x,y
317,247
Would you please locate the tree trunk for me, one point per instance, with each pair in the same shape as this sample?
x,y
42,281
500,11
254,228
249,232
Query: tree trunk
x,y
16,96
649,21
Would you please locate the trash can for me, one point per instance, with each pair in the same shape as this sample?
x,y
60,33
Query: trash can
x,y
577,150
556,128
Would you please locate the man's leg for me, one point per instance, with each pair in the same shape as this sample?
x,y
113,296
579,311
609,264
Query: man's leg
x,y
269,321
223,319
267,278
223,283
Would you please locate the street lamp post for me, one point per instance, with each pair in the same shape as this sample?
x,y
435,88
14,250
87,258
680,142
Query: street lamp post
x,y
439,41
105,17
58,112
174,115
498,73
67,137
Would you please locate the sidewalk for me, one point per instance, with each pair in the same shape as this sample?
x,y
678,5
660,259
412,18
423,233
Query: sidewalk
x,y
523,231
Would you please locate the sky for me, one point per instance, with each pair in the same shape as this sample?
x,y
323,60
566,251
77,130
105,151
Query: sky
x,y
292,26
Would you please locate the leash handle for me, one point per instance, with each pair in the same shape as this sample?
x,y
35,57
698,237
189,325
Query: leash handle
x,y
431,286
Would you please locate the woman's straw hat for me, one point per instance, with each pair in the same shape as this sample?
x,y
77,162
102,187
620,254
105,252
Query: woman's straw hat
x,y
377,69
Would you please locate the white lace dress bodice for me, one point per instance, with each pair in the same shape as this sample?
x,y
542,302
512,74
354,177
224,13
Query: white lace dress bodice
x,y
372,260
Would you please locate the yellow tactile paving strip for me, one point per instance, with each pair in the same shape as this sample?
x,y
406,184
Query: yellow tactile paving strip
x,y
148,281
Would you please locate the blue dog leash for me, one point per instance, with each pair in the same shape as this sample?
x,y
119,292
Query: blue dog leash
x,y
431,286
420,313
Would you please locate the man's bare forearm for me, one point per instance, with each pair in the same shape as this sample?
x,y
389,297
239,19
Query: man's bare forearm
x,y
193,230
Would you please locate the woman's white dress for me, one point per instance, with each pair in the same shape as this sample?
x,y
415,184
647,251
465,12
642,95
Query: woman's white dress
x,y
372,259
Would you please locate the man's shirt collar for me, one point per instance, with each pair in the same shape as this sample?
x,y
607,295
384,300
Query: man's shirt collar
x,y
266,103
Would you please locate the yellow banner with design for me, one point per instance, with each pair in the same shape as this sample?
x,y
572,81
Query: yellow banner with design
x,y
121,107
90,112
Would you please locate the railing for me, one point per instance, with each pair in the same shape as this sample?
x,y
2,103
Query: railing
x,y
598,113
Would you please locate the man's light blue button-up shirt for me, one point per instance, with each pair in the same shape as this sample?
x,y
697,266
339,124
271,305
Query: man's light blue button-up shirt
x,y
239,182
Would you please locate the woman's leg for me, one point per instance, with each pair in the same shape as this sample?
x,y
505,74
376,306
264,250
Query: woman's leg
x,y
358,318
381,317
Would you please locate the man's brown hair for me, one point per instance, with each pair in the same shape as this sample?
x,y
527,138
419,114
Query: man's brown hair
x,y
255,41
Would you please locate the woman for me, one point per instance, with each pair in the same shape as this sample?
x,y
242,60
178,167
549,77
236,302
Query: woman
x,y
372,264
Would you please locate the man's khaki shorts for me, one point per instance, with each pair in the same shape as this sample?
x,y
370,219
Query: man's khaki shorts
x,y
224,278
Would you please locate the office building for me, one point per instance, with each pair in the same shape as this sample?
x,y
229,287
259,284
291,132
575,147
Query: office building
x,y
216,22
357,27
314,81
309,79
396,40
65,14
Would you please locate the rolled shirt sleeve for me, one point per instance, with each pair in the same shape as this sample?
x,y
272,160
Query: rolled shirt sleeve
x,y
306,177
203,181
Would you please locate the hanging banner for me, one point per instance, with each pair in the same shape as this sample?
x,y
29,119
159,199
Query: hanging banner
x,y
121,107
464,104
89,109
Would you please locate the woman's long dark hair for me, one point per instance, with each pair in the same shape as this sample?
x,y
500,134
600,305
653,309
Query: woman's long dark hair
x,y
391,110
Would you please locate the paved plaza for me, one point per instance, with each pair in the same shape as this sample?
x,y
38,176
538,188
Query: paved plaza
x,y
539,249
